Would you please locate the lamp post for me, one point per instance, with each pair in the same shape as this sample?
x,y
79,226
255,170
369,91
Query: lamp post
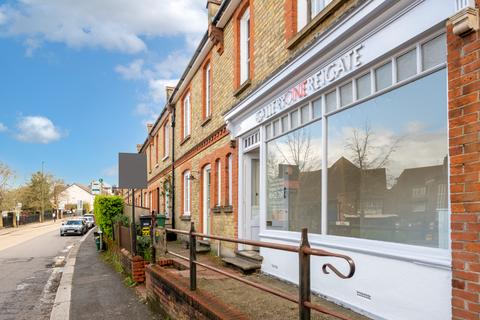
x,y
43,205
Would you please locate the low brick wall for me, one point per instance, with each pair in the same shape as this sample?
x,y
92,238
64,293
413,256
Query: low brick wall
x,y
134,266
171,295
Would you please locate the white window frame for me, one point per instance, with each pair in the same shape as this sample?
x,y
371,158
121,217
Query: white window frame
x,y
434,257
186,115
186,193
166,142
208,86
245,32
230,182
219,182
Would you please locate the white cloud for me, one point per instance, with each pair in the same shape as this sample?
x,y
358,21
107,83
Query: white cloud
x,y
37,129
3,127
133,71
156,77
119,25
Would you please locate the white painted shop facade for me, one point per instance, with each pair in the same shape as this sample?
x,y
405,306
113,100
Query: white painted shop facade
x,y
350,141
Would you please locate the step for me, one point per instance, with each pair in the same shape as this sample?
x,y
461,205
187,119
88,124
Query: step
x,y
252,255
204,242
202,248
247,266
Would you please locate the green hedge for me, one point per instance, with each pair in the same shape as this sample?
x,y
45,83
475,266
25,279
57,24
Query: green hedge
x,y
106,208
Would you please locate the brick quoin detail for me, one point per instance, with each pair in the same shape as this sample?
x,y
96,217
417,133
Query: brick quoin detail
x,y
464,150
290,19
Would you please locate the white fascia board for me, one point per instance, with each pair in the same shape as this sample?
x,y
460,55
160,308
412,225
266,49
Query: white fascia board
x,y
227,14
362,17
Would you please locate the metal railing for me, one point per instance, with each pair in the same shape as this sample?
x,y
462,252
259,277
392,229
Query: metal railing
x,y
304,252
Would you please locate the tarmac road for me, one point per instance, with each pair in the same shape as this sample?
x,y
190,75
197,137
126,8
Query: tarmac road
x,y
28,275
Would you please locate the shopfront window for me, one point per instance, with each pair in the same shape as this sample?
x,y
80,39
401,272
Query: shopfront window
x,y
387,165
294,180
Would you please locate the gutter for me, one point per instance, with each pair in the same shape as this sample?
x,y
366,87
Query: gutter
x,y
189,66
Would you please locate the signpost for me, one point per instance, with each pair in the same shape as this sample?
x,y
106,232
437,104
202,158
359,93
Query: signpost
x,y
132,174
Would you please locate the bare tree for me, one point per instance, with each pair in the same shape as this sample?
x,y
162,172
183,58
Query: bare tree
x,y
364,154
6,175
298,150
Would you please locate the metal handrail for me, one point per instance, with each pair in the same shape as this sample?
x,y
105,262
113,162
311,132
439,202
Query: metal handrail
x,y
304,251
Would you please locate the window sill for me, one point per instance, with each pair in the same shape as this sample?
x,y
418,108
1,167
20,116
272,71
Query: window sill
x,y
228,209
185,140
430,257
217,209
165,158
206,121
185,217
156,166
318,19
242,88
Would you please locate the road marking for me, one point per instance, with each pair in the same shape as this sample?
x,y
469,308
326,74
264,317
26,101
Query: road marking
x,y
61,306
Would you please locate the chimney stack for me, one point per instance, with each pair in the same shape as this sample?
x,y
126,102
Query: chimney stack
x,y
169,91
139,147
149,127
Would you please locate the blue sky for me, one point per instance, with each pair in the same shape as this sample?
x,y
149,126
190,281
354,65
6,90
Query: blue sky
x,y
80,80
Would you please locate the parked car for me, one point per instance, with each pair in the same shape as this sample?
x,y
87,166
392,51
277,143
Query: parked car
x,y
74,226
89,219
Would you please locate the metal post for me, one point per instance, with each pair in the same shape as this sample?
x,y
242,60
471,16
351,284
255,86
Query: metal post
x,y
152,237
193,258
133,228
304,277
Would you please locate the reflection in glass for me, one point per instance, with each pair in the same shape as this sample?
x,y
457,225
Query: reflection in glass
x,y
387,166
305,114
294,180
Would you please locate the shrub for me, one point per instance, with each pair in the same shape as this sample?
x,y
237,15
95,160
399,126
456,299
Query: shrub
x,y
106,208
124,220
143,247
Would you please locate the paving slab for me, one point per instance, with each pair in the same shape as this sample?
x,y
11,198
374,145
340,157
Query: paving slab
x,y
98,291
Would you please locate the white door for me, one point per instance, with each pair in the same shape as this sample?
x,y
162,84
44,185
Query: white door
x,y
252,196
255,202
206,199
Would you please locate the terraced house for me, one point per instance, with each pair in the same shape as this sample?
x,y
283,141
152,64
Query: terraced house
x,y
345,117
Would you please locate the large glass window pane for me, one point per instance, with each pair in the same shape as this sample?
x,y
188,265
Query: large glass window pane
x,y
268,131
294,180
383,76
407,65
364,86
331,101
434,52
346,94
387,166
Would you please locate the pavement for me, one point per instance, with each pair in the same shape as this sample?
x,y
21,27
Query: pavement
x,y
98,291
29,275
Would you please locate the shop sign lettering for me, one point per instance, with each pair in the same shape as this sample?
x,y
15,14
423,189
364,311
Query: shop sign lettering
x,y
323,77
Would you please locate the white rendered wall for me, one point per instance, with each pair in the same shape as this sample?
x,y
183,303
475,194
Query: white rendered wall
x,y
74,193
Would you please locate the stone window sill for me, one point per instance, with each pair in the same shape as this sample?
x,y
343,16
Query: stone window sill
x,y
242,88
185,140
185,217
227,209
206,121
217,209
318,19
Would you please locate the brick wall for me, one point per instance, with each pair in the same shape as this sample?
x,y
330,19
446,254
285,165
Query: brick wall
x,y
170,294
464,145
